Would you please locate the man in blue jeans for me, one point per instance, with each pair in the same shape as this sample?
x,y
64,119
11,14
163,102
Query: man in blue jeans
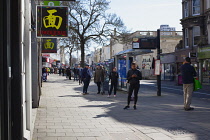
x,y
188,74
86,76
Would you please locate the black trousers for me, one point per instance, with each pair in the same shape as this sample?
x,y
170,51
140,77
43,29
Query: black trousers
x,y
86,84
113,85
135,88
99,86
80,79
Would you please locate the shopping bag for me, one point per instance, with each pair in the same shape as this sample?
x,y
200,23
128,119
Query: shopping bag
x,y
197,84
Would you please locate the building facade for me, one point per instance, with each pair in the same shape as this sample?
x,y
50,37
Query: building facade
x,y
196,38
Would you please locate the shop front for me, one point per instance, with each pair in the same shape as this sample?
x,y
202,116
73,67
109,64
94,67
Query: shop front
x,y
180,56
123,62
204,61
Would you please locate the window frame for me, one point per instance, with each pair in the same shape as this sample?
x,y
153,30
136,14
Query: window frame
x,y
186,9
193,35
186,38
196,6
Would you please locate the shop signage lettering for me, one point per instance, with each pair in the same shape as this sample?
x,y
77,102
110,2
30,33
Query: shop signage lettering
x,y
52,21
204,53
49,45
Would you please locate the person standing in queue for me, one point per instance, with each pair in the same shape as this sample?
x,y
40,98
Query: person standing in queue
x,y
86,76
113,76
188,74
133,77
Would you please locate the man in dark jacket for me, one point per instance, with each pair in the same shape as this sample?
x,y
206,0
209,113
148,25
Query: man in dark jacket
x,y
86,76
113,76
133,77
99,77
188,74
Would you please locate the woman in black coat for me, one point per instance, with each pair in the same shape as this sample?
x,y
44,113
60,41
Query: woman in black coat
x,y
113,76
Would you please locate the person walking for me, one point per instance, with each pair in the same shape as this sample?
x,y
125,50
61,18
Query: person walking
x,y
99,77
75,70
113,76
188,73
60,71
133,77
68,73
80,74
86,76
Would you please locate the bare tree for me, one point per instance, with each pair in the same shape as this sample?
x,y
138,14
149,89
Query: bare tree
x,y
91,22
70,45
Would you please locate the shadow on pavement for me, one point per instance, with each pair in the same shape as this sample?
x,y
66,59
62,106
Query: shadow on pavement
x,y
154,114
165,113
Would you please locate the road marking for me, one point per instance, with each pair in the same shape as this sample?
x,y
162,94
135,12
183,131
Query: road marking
x,y
177,89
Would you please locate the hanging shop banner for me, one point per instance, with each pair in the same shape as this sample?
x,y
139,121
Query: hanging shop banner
x,y
52,21
49,45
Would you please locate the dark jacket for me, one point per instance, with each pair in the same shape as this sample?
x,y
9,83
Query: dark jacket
x,y
113,76
85,74
134,80
99,75
44,70
188,73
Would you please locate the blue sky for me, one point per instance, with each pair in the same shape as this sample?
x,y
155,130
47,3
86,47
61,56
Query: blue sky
x,y
148,14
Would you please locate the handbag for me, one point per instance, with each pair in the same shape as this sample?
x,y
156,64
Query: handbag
x,y
197,84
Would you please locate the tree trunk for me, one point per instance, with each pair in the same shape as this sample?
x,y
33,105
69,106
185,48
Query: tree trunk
x,y
70,58
82,47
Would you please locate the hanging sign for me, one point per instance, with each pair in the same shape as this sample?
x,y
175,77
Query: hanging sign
x,y
52,21
157,67
49,45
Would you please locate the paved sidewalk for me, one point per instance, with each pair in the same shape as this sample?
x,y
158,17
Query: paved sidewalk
x,y
65,114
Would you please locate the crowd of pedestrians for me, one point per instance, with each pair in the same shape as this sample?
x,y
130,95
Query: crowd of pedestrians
x,y
100,75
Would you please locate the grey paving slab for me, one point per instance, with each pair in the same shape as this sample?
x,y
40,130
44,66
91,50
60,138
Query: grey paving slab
x,y
65,114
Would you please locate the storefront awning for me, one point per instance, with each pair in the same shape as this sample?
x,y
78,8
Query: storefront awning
x,y
134,52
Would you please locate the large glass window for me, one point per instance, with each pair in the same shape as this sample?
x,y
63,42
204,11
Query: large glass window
x,y
206,71
186,10
196,35
186,38
196,7
207,4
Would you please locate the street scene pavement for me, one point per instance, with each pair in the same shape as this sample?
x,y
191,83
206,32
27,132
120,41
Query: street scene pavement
x,y
66,114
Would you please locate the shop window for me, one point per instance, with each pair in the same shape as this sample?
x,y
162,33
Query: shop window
x,y
186,38
206,71
196,7
196,35
207,4
186,9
